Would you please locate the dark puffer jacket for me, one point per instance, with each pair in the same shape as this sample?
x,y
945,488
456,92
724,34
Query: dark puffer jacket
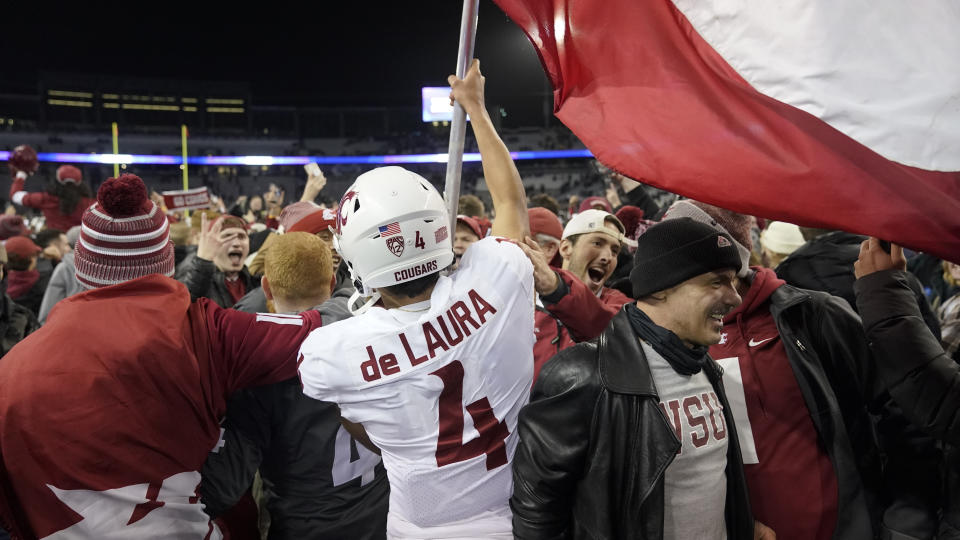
x,y
826,264
16,323
913,366
204,280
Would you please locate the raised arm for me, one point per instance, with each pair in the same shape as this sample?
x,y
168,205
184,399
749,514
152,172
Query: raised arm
x,y
920,376
502,177
315,182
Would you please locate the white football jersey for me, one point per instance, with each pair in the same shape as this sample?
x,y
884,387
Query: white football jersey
x,y
438,386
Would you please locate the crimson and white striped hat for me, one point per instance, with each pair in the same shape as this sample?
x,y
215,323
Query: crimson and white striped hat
x,y
123,236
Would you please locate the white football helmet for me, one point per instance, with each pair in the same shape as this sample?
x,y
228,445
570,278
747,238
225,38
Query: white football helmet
x,y
392,227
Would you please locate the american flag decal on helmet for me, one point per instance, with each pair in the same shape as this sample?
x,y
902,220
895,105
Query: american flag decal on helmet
x,y
440,234
390,229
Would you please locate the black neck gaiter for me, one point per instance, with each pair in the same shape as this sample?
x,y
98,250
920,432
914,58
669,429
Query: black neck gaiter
x,y
683,359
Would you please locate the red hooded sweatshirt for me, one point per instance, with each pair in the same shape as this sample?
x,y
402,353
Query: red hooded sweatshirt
x,y
580,313
793,487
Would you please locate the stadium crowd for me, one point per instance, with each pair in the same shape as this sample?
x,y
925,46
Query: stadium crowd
x,y
633,364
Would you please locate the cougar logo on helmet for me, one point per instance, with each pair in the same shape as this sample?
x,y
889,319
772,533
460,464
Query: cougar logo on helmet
x,y
341,216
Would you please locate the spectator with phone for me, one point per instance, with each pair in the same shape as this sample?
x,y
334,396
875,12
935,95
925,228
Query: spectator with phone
x,y
914,367
916,370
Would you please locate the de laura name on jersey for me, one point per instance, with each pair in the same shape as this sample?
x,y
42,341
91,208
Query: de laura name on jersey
x,y
455,325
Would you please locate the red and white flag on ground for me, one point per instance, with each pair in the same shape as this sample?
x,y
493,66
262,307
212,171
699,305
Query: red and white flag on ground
x,y
831,114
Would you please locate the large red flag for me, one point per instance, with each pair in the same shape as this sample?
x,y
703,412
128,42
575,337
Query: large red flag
x,y
803,111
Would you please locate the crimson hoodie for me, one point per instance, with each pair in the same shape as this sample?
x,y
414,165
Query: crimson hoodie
x,y
792,484
50,206
580,313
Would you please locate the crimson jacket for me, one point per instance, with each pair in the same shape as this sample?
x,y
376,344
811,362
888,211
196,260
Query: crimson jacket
x,y
881,472
50,206
109,410
562,314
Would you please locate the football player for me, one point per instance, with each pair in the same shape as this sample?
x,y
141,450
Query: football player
x,y
434,369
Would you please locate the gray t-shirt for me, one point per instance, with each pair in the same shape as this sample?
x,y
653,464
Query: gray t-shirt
x,y
695,489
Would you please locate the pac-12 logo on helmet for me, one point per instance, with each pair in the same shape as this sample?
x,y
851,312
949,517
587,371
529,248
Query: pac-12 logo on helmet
x,y
395,244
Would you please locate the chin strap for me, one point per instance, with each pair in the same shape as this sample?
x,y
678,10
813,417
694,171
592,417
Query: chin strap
x,y
370,300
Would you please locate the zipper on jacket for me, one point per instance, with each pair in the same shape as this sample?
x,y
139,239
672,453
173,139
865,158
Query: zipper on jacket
x,y
802,348
761,390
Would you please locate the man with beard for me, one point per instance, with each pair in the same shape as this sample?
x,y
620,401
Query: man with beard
x,y
605,451
218,272
812,409
589,247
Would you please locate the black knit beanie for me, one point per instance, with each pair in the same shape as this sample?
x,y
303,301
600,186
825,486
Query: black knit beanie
x,y
676,250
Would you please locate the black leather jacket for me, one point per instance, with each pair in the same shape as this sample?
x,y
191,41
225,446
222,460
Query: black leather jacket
x,y
594,446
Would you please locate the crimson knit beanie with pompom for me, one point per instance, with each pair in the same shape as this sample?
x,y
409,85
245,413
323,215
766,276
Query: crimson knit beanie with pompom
x,y
123,236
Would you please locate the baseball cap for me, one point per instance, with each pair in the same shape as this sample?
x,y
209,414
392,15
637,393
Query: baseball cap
x,y
294,212
543,221
783,238
68,174
591,221
22,247
590,202
472,223
315,222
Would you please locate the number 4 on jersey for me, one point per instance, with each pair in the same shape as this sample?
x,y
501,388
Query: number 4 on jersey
x,y
345,467
450,445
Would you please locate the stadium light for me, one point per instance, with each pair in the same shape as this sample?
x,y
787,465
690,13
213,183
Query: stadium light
x,y
257,161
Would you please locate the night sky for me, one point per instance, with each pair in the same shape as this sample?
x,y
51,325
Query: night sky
x,y
318,53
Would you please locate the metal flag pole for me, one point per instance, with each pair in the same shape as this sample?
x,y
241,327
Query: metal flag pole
x,y
458,127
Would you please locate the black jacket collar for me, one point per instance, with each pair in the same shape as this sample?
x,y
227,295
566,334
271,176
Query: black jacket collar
x,y
622,364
